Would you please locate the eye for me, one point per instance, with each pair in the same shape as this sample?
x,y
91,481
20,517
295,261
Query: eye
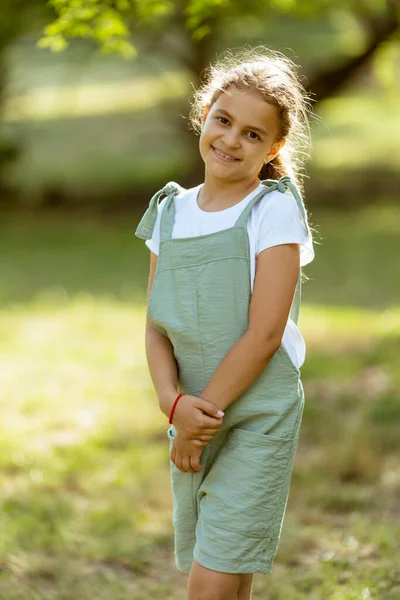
x,y
257,136
222,119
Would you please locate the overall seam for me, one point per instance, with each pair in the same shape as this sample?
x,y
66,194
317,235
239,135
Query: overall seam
x,y
245,535
194,494
203,262
201,343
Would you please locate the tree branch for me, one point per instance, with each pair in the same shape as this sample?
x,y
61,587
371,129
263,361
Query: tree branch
x,y
329,82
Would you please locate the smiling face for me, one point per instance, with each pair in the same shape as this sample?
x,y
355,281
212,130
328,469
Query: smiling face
x,y
240,133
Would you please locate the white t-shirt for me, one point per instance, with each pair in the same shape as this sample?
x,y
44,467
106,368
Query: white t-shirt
x,y
273,220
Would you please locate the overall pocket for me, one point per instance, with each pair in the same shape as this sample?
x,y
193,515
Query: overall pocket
x,y
247,487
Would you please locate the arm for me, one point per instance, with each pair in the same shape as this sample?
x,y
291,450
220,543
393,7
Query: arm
x,y
160,356
163,369
277,270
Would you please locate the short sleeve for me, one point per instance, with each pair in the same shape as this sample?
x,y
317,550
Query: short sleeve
x,y
153,243
281,223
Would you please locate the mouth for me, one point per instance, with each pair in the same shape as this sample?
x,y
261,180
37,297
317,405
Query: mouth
x,y
223,156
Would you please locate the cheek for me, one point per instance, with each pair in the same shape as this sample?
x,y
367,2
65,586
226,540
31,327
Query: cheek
x,y
205,132
203,145
255,150
206,137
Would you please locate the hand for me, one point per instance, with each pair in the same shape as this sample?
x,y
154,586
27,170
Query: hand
x,y
197,419
186,455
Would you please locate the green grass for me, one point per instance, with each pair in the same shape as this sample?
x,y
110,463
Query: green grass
x,y
356,253
86,502
357,130
34,260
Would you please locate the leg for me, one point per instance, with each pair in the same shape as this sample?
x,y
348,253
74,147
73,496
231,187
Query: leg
x,y
246,584
205,584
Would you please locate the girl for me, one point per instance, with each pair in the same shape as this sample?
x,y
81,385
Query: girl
x,y
223,304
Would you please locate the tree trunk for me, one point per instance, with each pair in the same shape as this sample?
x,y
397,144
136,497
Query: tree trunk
x,y
329,82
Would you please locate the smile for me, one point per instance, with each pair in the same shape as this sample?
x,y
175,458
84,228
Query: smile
x,y
222,156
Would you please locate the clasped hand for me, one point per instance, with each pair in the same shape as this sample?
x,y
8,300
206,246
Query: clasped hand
x,y
196,422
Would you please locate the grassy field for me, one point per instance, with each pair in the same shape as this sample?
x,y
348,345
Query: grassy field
x,y
86,502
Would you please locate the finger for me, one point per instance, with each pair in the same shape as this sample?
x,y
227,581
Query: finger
x,y
205,438
202,437
211,423
195,463
209,408
207,431
186,464
213,418
198,443
178,462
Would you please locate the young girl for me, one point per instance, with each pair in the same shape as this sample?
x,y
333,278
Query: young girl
x,y
223,307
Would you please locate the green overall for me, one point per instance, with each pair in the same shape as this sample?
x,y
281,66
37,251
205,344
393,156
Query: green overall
x,y
228,517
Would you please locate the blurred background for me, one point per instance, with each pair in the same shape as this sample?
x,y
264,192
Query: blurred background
x,y
93,121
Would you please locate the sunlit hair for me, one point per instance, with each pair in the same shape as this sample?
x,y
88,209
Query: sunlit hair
x,y
276,78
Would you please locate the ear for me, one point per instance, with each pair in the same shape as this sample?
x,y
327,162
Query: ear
x,y
274,150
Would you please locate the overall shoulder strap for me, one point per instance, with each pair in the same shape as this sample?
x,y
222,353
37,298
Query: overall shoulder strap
x,y
146,225
283,184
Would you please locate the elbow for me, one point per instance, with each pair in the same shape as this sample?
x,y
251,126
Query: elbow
x,y
151,334
266,343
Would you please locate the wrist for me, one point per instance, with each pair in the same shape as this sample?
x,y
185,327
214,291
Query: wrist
x,y
205,396
167,399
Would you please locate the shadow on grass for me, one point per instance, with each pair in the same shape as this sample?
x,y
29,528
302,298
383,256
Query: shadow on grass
x,y
55,255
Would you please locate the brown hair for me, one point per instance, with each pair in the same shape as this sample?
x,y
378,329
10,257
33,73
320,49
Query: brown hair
x,y
275,77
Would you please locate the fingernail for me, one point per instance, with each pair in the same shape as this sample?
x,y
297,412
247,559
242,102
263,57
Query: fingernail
x,y
220,413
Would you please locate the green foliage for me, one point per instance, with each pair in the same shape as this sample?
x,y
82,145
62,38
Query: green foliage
x,y
111,23
198,12
90,19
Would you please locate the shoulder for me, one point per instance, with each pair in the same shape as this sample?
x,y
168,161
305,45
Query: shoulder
x,y
181,196
277,203
278,220
278,209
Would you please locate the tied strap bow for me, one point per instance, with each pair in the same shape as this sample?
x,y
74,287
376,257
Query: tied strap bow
x,y
282,185
145,228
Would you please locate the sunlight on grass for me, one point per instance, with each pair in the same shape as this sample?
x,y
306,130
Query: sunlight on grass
x,y
86,508
83,359
85,459
356,130
91,359
348,328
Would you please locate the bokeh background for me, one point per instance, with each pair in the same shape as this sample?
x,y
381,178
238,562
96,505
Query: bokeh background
x,y
94,104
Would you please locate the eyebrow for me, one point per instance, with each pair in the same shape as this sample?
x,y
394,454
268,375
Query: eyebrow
x,y
225,112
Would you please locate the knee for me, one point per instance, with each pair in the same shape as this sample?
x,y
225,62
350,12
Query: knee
x,y
209,591
205,584
209,594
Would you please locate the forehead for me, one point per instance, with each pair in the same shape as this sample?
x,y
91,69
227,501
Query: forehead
x,y
246,105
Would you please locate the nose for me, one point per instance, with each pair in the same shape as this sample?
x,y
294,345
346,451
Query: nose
x,y
231,138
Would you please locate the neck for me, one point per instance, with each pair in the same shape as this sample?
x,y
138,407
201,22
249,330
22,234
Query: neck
x,y
220,193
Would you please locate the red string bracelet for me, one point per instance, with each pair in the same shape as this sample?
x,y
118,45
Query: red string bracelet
x,y
171,414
